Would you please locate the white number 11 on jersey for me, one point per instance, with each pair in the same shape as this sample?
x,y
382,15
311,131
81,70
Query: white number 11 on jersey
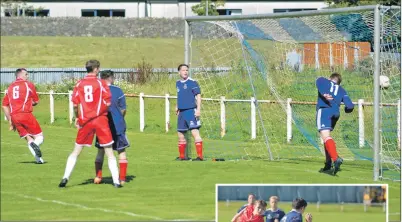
x,y
334,87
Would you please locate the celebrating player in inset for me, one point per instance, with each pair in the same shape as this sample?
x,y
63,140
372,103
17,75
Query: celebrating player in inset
x,y
296,214
188,109
252,213
93,97
330,97
250,201
117,124
18,104
274,214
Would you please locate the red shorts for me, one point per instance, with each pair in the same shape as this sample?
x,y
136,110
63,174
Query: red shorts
x,y
98,126
26,124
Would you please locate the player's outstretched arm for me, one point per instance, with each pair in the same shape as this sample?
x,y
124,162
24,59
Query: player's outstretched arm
x,y
34,94
349,106
234,219
322,85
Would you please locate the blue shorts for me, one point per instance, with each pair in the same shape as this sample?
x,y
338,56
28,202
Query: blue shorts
x,y
326,119
187,120
120,142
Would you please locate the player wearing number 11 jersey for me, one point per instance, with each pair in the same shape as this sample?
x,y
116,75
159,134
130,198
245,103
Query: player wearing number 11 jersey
x,y
330,97
92,96
18,104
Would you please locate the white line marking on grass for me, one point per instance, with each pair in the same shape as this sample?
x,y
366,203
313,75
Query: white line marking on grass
x,y
83,207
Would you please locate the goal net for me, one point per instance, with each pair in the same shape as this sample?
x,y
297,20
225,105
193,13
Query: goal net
x,y
258,83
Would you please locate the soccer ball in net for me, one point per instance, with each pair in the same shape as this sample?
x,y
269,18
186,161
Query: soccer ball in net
x,y
384,82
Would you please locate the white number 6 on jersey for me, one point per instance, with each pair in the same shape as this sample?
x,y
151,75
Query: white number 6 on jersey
x,y
16,92
88,94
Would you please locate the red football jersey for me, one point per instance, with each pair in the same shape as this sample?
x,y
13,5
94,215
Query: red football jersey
x,y
247,215
93,95
20,95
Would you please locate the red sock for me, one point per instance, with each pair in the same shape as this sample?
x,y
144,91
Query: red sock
x,y
331,148
198,147
98,169
182,150
123,169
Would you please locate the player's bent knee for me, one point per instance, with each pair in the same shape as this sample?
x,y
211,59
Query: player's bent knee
x,y
38,140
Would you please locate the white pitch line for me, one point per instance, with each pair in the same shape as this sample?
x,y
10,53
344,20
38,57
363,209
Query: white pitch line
x,y
90,208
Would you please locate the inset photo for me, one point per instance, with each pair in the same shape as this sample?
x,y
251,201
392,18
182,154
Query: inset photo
x,y
301,202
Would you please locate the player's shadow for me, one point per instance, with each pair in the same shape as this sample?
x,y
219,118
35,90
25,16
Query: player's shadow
x,y
107,180
32,162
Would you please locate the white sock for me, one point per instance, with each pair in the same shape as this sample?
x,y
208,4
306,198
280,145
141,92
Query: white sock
x,y
113,169
32,151
70,166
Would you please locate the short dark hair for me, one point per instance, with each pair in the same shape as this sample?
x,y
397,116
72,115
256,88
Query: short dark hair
x,y
336,75
106,74
91,65
299,203
18,71
250,194
262,203
181,65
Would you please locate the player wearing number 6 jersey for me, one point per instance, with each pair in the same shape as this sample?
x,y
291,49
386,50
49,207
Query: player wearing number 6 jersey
x,y
330,97
92,96
18,104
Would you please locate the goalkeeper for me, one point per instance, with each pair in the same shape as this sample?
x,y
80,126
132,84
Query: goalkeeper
x,y
330,96
188,110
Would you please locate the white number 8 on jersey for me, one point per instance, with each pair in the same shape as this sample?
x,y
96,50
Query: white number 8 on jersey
x,y
88,94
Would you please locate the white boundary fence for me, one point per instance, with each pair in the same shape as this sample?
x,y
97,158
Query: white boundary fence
x,y
222,101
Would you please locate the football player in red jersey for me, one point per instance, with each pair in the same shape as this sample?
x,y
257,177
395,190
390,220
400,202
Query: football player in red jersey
x,y
252,213
91,99
18,104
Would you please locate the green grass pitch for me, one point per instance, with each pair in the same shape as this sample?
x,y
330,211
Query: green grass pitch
x,y
326,212
161,188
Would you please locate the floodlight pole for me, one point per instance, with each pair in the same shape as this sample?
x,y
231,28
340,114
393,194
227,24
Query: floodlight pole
x,y
206,8
187,44
377,126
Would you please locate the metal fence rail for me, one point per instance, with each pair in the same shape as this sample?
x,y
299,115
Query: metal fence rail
x,y
56,75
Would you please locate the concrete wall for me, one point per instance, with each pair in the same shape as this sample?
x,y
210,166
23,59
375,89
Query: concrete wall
x,y
103,26
165,10
325,194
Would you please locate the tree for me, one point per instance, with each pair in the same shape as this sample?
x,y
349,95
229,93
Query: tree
x,y
200,9
349,3
14,6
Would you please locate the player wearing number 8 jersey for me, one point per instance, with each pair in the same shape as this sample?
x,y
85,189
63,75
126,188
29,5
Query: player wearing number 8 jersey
x,y
330,97
18,104
92,96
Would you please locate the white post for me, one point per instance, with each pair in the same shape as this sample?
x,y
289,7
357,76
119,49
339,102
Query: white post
x,y
70,107
142,112
5,117
399,125
223,117
51,106
167,112
289,119
361,122
331,58
253,119
345,56
317,57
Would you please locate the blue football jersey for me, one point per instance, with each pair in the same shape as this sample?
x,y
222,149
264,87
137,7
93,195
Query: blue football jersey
x,y
326,86
118,103
272,215
242,207
186,92
293,216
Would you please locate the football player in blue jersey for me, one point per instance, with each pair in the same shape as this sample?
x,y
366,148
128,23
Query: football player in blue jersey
x,y
188,110
117,124
330,96
274,214
296,214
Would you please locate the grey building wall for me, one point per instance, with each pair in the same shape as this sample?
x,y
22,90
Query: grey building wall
x,y
324,194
